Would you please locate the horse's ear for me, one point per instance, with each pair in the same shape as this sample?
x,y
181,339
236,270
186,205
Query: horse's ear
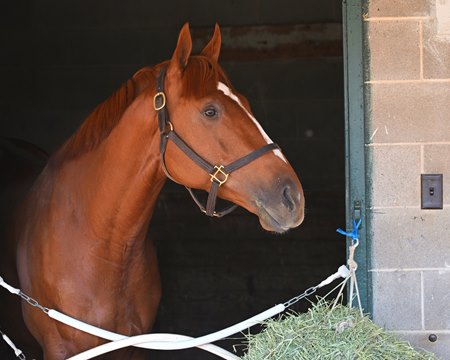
x,y
182,52
212,49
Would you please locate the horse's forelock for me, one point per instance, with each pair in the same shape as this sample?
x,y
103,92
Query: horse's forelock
x,y
201,77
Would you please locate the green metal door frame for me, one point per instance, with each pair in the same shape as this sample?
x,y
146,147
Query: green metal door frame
x,y
355,172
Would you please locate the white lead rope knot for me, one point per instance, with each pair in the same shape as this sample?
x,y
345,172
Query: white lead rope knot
x,y
353,265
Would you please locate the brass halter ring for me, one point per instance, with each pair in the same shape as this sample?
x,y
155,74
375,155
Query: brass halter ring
x,y
224,175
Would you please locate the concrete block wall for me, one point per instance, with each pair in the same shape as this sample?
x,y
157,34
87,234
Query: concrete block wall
x,y
408,134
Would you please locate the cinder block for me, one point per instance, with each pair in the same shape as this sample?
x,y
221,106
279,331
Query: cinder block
x,y
435,159
394,50
415,112
437,298
395,176
436,52
436,162
398,8
396,300
420,340
410,238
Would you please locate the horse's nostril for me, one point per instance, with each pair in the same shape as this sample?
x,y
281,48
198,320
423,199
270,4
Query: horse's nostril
x,y
288,201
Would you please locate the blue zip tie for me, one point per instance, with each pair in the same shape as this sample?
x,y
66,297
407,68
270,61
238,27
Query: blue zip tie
x,y
353,233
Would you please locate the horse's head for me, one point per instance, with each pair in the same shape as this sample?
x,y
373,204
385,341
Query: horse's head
x,y
216,122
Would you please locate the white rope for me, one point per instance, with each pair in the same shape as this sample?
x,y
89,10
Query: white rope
x,y
353,280
170,341
353,234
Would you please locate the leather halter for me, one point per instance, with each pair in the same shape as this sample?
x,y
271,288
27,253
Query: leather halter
x,y
219,173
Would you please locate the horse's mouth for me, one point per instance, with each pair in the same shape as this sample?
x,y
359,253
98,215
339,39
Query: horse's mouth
x,y
273,223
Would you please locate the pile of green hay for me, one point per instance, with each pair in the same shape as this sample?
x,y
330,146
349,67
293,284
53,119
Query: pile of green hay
x,y
323,333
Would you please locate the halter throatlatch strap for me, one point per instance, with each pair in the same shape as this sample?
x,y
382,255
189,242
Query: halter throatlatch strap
x,y
219,173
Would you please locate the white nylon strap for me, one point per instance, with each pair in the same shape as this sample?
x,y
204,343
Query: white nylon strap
x,y
8,287
148,340
17,351
343,272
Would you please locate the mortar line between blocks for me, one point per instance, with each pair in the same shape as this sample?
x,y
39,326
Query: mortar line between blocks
x,y
409,81
396,18
409,143
409,269
422,300
421,49
403,207
420,331
422,159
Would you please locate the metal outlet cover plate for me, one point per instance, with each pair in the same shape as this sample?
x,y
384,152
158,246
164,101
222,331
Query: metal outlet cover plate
x,y
432,191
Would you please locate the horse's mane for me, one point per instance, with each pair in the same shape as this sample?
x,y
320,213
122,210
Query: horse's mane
x,y
199,77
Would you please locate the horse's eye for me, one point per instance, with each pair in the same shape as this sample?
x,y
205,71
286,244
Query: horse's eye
x,y
210,112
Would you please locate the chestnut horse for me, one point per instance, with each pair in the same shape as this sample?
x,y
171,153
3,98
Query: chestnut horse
x,y
82,232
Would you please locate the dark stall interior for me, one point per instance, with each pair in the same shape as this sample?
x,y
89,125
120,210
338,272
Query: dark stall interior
x,y
61,58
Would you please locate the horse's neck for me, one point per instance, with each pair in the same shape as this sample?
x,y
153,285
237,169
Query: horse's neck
x,y
115,186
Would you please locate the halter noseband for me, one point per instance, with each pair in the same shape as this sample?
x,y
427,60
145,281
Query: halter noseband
x,y
219,173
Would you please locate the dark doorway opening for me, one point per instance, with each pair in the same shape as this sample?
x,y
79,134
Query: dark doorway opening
x,y
62,58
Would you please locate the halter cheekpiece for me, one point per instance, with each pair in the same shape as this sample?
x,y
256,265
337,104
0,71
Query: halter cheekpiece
x,y
219,174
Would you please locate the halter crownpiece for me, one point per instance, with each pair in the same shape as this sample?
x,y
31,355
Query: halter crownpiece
x,y
219,173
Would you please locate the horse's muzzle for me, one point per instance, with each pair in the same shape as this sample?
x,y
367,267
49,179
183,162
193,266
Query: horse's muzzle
x,y
281,208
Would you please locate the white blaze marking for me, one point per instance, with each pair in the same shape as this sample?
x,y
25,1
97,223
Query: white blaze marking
x,y
227,91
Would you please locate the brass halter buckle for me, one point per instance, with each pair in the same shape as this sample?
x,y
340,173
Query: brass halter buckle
x,y
167,129
223,175
159,101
